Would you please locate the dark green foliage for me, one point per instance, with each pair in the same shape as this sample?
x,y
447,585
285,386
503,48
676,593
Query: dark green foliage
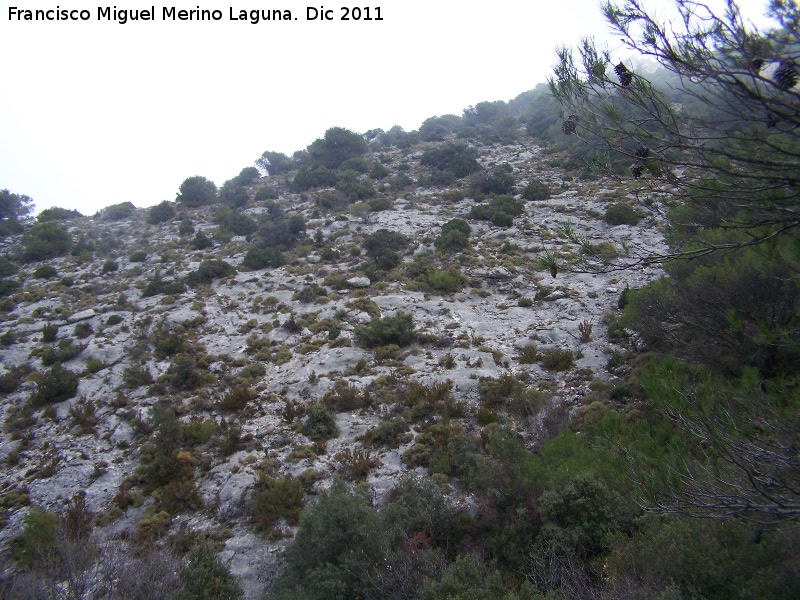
x,y
241,224
456,157
138,256
8,287
160,286
336,147
160,213
267,193
454,236
44,272
37,542
56,385
261,258
14,212
310,178
83,330
501,211
444,282
210,270
280,231
45,240
499,181
233,193
206,578
134,377
184,373
117,212
6,267
536,190
275,163
621,214
391,433
319,423
581,516
110,266
273,499
557,359
435,129
396,329
197,191
340,539
398,137
355,188
186,227
49,332
63,352
381,246
57,214
201,241
238,398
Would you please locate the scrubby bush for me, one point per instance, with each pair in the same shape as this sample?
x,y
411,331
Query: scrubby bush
x,y
396,329
454,236
232,193
45,240
160,286
197,191
44,272
8,287
319,422
536,190
456,157
444,282
6,267
275,163
110,266
57,213
390,432
201,241
557,359
273,499
241,224
501,211
210,270
621,214
238,398
499,181
138,256
56,385
261,258
307,179
205,577
117,212
49,332
160,213
338,146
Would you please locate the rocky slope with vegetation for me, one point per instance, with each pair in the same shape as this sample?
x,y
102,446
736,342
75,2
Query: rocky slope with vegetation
x,y
484,359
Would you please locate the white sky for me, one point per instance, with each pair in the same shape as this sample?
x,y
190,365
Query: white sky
x,y
95,113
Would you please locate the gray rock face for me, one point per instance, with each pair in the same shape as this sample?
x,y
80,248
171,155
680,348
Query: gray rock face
x,y
359,282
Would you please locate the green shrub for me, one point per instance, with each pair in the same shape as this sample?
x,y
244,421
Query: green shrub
x,y
210,270
159,286
261,258
456,157
160,213
536,190
444,282
117,212
114,320
45,272
273,499
83,330
36,543
197,191
233,193
390,432
396,329
621,214
338,146
56,385
454,236
49,332
319,423
110,266
186,227
206,578
138,256
8,287
241,224
45,240
62,352
499,181
57,213
238,398
201,241
6,267
557,359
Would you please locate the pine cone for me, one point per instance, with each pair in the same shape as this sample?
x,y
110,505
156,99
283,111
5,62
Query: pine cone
x,y
623,74
642,151
636,170
786,76
568,126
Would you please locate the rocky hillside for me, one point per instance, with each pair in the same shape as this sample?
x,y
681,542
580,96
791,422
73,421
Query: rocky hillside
x,y
176,386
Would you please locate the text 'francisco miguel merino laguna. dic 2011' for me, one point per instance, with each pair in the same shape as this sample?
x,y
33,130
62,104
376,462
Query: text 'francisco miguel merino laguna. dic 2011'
x,y
171,13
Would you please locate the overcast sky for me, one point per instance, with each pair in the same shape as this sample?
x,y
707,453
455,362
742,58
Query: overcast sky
x,y
94,113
